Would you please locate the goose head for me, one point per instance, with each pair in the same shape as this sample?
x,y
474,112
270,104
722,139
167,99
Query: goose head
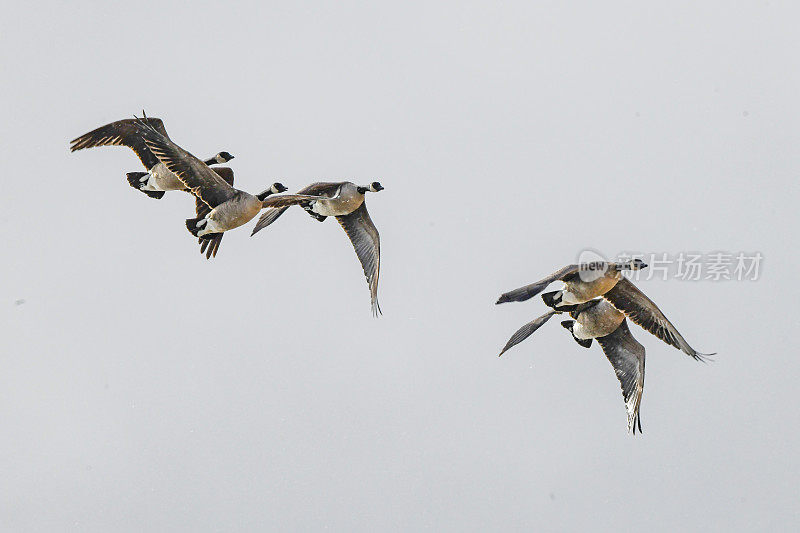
x,y
633,264
275,188
375,186
223,157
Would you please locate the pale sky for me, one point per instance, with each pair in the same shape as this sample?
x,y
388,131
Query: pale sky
x,y
143,388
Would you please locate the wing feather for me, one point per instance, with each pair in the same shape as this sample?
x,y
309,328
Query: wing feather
x,y
122,133
198,177
627,357
327,189
626,297
529,291
527,330
366,242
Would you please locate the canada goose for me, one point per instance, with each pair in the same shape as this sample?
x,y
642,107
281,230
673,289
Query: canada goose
x,y
210,244
125,132
598,319
228,208
345,201
583,282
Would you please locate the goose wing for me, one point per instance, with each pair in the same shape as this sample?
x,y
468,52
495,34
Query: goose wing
x,y
210,246
626,297
287,200
367,243
627,357
269,216
198,177
529,291
527,330
122,133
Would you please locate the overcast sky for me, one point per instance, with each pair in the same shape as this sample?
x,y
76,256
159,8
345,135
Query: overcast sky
x,y
143,388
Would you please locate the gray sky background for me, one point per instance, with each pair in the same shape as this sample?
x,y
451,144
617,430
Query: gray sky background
x,y
143,388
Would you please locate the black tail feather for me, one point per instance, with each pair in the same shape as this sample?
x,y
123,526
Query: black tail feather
x,y
553,299
209,244
191,225
568,324
134,179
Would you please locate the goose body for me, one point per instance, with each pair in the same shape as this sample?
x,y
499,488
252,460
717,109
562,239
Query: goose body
x,y
160,178
344,201
596,318
240,209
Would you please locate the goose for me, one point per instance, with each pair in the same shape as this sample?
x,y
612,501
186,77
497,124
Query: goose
x,y
583,282
599,320
345,201
158,178
226,208
210,244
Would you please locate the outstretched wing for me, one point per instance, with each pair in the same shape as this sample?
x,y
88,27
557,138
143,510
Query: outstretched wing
x,y
367,243
210,245
644,312
122,133
198,177
529,291
627,357
527,330
269,216
288,200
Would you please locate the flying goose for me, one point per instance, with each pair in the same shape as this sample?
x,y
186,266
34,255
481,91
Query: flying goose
x,y
227,208
210,244
583,282
598,319
125,132
345,201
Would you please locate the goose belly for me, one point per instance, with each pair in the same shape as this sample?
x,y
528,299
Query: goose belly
x,y
162,179
233,213
337,206
597,321
578,292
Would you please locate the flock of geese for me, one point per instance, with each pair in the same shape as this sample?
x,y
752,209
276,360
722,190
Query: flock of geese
x,y
598,299
219,207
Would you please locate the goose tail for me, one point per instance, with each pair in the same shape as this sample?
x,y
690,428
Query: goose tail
x,y
135,180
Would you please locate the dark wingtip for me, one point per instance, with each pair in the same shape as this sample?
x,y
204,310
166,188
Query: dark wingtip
x,y
704,357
